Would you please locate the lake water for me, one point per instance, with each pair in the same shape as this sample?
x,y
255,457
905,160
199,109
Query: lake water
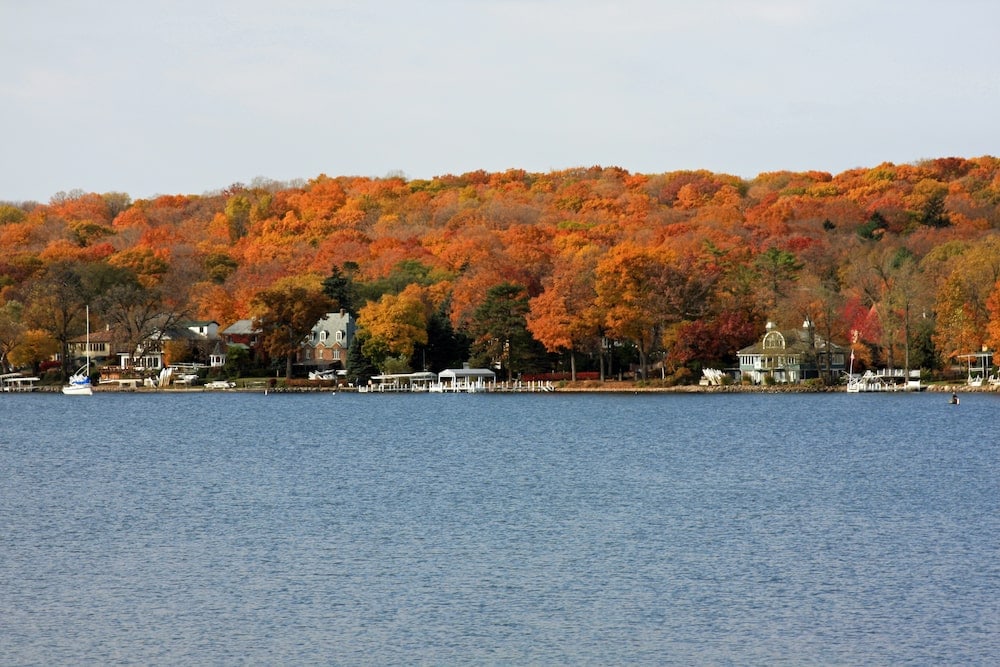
x,y
743,529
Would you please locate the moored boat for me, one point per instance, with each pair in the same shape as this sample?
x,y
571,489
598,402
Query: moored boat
x,y
79,382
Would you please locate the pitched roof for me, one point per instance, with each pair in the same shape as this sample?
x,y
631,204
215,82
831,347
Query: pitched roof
x,y
241,328
101,336
790,341
331,323
181,332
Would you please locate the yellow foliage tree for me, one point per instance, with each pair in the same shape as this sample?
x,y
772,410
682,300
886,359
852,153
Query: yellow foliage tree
x,y
394,324
34,347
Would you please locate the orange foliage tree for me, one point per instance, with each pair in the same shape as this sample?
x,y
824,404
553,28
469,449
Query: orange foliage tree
x,y
563,317
653,242
286,313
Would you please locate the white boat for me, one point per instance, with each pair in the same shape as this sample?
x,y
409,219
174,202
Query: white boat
x,y
853,383
220,384
79,382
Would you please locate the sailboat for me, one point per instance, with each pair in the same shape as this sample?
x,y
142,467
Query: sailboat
x,y
853,383
79,382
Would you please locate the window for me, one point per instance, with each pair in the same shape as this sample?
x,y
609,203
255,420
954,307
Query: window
x,y
339,337
336,355
773,340
322,336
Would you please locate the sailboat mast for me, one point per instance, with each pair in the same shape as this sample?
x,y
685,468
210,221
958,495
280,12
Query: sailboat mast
x,y
87,352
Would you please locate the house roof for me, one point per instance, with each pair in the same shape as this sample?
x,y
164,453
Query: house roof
x,y
240,328
790,341
331,324
181,332
455,373
102,336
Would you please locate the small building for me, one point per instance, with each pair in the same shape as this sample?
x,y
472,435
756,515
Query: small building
x,y
465,379
396,382
791,356
217,357
979,366
15,382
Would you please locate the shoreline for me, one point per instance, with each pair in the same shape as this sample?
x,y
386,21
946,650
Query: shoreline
x,y
565,388
773,389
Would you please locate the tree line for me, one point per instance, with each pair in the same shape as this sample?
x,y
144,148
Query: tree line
x,y
581,269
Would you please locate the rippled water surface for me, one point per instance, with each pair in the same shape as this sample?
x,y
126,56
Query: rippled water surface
x,y
515,529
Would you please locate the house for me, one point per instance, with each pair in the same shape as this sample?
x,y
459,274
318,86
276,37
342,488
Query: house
x,y
209,329
791,356
243,334
199,337
328,342
99,349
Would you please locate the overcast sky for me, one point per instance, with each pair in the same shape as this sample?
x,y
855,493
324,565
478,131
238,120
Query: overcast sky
x,y
189,96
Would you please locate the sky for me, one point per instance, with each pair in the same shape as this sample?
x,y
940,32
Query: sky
x,y
190,96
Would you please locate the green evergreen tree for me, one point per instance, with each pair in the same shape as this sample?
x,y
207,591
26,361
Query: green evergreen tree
x,y
501,330
341,289
933,213
445,348
359,368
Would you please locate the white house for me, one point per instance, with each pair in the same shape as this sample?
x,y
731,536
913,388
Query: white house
x,y
790,356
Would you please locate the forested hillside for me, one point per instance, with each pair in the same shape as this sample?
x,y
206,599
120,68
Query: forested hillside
x,y
537,271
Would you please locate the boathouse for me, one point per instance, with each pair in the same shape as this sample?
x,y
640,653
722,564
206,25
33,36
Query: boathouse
x,y
465,379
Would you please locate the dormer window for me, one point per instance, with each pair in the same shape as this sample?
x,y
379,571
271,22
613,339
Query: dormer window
x,y
322,336
773,340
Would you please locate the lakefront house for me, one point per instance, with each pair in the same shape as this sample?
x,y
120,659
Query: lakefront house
x,y
198,338
327,344
791,356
